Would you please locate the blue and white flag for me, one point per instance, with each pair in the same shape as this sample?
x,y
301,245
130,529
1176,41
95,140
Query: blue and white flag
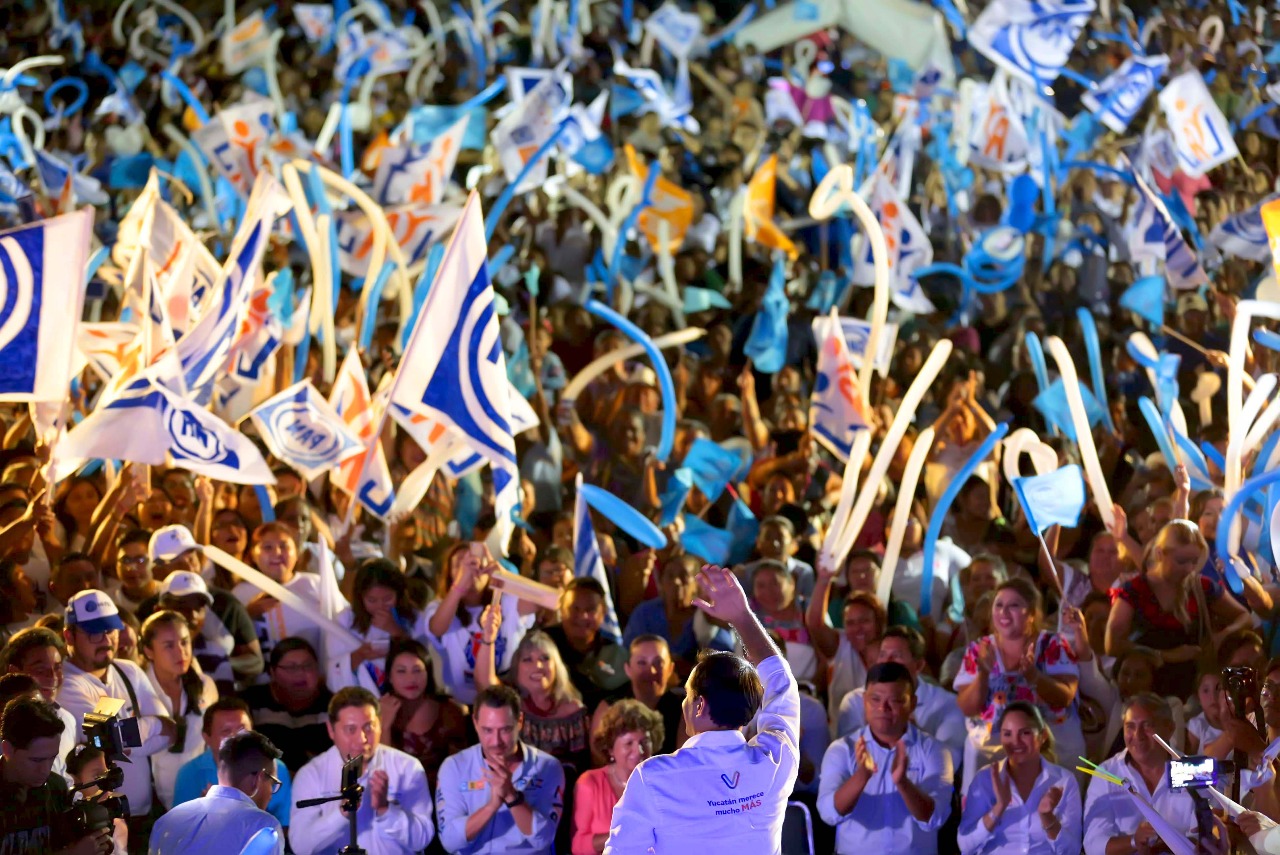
x,y
419,174
1055,498
672,108
857,333
767,343
54,173
1146,299
454,370
677,31
1153,234
587,562
909,249
351,400
206,347
837,406
316,20
302,429
1031,39
1243,235
41,295
1201,134
519,136
148,422
1119,97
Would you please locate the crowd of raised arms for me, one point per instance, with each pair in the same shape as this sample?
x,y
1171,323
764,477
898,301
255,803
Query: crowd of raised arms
x,y
391,379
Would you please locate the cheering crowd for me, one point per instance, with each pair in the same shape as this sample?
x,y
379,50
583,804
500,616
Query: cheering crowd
x,y
947,648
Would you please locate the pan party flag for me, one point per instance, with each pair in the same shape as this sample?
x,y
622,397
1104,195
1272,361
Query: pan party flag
x,y
670,203
1271,221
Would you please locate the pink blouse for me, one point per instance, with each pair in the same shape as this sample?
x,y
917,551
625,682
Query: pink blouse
x,y
593,802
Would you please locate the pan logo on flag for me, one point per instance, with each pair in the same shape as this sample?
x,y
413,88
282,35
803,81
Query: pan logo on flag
x,y
192,438
17,291
304,439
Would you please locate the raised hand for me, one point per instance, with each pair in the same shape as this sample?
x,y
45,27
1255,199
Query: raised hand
x,y
724,598
862,759
1001,787
898,770
1049,801
490,623
986,655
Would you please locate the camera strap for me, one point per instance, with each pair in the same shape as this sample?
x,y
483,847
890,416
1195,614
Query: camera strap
x,y
128,687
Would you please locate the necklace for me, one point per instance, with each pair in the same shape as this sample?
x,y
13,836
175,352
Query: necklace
x,y
618,784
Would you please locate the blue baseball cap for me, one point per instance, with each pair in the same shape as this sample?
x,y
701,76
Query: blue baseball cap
x,y
93,612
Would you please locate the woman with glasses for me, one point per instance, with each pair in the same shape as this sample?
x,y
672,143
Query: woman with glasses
x,y
184,689
134,583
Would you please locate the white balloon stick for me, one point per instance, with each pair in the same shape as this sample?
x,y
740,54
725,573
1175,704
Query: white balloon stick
x,y
1084,436
902,511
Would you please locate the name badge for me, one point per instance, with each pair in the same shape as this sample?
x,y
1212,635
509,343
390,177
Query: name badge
x,y
470,786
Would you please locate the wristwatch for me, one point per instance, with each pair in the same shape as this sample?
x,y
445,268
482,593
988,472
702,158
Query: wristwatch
x,y
517,801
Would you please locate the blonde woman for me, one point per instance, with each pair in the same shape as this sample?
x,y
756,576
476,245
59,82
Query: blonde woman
x,y
1173,608
555,719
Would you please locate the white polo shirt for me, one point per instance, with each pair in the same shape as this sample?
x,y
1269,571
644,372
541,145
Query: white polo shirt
x,y
1111,812
880,821
720,792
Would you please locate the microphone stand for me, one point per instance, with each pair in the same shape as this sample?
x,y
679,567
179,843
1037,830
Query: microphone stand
x,y
350,798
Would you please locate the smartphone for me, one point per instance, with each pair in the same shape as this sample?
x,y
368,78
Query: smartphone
x,y
1193,773
787,441
351,771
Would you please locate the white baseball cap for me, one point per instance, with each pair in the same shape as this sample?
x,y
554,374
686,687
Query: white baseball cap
x,y
169,542
184,583
93,612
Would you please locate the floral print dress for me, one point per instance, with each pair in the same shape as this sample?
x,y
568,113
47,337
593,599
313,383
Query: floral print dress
x,y
1054,659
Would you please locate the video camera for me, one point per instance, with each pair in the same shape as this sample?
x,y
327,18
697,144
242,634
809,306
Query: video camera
x,y
110,734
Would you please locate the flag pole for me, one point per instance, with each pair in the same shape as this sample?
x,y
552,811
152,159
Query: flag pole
x,y
1053,568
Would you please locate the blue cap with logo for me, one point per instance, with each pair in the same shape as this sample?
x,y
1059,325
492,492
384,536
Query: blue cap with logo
x,y
93,612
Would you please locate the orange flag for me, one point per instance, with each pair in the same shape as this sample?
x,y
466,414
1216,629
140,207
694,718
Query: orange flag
x,y
1271,221
670,202
757,213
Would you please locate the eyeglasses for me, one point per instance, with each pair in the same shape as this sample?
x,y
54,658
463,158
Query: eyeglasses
x,y
135,561
95,637
276,783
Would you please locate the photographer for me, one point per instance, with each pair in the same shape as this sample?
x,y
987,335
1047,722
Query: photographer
x,y
33,796
92,628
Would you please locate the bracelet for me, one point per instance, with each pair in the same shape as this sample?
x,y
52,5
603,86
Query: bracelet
x,y
488,643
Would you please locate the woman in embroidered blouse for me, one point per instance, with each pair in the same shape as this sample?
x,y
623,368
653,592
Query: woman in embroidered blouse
x,y
627,734
773,599
417,718
1173,608
1027,804
1019,661
555,719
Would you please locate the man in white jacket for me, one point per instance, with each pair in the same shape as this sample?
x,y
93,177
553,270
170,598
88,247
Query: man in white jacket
x,y
395,815
92,672
720,792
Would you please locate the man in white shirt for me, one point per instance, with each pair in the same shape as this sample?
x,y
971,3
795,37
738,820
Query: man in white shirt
x,y
936,711
1113,824
720,792
37,652
394,817
887,786
501,795
233,812
92,630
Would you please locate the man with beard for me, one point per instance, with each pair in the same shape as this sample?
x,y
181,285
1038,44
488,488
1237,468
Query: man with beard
x,y
92,630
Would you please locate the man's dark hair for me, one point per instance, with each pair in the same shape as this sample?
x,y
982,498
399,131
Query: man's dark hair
x,y
224,704
14,686
729,685
914,640
557,554
891,672
134,535
27,719
350,696
242,754
24,641
498,697
285,646
585,583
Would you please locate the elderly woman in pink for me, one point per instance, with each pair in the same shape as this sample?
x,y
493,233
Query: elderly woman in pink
x,y
627,734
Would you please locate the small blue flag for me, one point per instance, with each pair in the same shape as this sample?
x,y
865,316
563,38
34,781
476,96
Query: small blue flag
x,y
1145,298
1056,498
1052,404
767,344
